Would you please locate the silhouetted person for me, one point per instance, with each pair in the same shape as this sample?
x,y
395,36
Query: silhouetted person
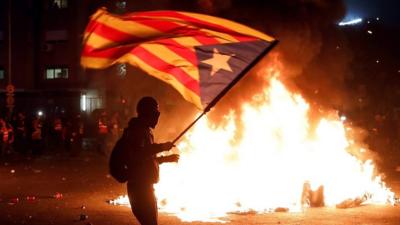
x,y
20,133
143,163
6,137
36,137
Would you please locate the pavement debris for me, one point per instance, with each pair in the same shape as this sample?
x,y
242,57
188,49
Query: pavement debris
x,y
58,195
83,217
281,209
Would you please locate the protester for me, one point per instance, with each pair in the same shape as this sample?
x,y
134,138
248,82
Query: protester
x,y
36,137
20,130
102,133
6,137
143,164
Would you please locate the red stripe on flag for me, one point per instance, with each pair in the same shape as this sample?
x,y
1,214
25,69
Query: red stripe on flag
x,y
193,20
110,53
179,30
161,65
180,50
112,34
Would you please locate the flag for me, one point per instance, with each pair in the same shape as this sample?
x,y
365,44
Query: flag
x,y
198,55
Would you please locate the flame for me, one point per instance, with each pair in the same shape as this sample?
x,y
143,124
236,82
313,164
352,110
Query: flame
x,y
267,168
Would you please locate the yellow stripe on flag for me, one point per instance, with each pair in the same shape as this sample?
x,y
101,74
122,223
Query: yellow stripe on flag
x,y
188,42
99,42
96,62
172,58
125,26
221,37
230,25
185,92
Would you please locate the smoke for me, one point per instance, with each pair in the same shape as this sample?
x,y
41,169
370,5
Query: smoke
x,y
312,50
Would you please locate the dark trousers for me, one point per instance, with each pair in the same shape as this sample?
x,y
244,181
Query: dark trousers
x,y
143,203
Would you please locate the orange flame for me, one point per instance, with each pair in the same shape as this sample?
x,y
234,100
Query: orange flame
x,y
268,167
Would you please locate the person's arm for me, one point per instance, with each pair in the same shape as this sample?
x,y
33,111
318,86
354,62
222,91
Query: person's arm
x,y
135,140
154,149
169,158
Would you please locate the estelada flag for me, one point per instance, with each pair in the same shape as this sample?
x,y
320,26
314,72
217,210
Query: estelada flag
x,y
199,55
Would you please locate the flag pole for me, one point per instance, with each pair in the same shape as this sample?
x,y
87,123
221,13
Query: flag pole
x,y
227,88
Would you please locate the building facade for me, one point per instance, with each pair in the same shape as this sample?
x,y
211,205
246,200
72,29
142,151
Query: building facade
x,y
40,45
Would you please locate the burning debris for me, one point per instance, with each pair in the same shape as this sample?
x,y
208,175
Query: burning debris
x,y
351,203
311,198
283,162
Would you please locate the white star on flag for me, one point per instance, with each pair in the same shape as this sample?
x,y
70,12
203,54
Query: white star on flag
x,y
218,61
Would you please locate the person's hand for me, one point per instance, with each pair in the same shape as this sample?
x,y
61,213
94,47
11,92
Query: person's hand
x,y
172,158
167,146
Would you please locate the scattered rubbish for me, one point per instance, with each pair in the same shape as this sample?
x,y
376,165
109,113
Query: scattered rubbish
x,y
12,171
350,203
58,196
83,217
281,209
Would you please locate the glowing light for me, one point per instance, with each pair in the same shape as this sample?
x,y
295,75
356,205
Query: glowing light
x,y
40,113
370,32
83,102
351,22
343,118
279,149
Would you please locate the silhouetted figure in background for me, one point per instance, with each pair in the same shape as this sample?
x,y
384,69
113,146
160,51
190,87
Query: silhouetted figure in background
x,y
20,133
36,137
102,133
56,136
6,137
143,164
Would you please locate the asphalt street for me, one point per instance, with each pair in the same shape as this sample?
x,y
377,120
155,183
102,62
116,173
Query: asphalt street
x,y
63,190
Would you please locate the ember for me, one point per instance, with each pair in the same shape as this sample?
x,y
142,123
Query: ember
x,y
280,164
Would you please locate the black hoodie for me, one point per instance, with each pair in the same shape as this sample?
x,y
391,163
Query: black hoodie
x,y
143,165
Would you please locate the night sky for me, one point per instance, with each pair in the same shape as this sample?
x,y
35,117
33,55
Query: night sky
x,y
387,10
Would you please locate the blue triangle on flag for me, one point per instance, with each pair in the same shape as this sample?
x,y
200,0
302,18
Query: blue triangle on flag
x,y
216,75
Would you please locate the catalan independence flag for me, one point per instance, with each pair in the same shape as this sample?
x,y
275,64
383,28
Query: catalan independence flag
x,y
199,55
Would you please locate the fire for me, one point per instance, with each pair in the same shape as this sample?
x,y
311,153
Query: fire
x,y
278,152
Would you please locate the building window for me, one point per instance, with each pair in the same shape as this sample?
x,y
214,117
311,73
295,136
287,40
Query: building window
x,y
60,4
56,73
2,76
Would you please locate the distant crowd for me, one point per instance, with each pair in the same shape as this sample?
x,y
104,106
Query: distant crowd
x,y
38,134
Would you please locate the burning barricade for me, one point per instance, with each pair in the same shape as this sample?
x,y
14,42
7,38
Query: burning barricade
x,y
282,163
